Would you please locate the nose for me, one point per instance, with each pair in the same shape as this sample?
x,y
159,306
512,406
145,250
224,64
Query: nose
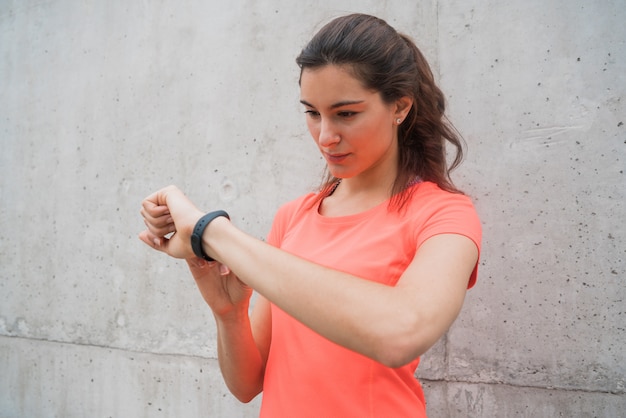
x,y
328,134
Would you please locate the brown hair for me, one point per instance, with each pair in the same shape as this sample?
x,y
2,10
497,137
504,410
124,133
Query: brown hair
x,y
390,63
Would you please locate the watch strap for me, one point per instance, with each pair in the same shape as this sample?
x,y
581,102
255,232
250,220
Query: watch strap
x,y
198,230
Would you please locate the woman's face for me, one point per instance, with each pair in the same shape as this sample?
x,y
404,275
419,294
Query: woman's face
x,y
354,129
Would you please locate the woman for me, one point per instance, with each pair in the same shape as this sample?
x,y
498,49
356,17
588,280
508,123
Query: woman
x,y
357,280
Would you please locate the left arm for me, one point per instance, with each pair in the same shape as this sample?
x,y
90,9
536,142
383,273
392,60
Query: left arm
x,y
392,325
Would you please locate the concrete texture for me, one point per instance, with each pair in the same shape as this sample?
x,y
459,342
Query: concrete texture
x,y
103,102
72,380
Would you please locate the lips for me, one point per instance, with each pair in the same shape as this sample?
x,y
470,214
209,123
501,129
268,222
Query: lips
x,y
335,158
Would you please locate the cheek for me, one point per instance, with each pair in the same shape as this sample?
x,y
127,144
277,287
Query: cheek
x,y
374,138
313,129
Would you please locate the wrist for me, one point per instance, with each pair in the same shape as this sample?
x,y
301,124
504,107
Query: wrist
x,y
235,315
212,234
199,231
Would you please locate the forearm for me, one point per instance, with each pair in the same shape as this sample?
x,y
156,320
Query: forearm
x,y
364,316
239,358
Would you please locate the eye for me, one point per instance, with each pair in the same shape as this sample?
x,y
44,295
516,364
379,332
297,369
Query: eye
x,y
346,114
312,113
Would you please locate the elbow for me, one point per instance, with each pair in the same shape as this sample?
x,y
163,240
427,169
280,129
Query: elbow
x,y
244,397
244,393
396,354
399,348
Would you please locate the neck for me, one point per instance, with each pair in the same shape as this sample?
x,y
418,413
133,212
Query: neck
x,y
359,186
377,180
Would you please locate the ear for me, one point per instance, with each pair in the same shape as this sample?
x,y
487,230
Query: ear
x,y
403,106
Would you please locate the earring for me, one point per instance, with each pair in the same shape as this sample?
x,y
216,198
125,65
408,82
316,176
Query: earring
x,y
398,121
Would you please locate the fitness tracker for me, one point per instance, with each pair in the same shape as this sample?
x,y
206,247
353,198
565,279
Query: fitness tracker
x,y
196,236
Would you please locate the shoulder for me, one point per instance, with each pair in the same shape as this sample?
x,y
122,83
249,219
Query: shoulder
x,y
427,199
286,215
430,192
291,208
438,211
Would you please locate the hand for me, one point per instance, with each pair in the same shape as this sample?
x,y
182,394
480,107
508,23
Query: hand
x,y
169,211
220,288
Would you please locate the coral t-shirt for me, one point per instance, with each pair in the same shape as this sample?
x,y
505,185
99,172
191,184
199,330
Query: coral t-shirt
x,y
306,374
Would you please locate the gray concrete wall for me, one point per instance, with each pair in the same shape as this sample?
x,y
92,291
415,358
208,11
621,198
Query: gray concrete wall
x,y
102,102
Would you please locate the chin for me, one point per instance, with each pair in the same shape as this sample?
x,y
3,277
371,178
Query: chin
x,y
339,173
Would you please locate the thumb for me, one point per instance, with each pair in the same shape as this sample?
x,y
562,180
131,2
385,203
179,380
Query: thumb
x,y
151,240
224,270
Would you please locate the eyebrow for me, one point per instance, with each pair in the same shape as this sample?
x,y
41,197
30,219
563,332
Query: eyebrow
x,y
335,105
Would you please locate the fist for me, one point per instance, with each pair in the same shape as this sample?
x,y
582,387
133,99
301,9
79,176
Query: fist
x,y
169,217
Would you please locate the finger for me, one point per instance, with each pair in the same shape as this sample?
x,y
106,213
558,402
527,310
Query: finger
x,y
200,263
152,241
160,197
160,231
155,214
224,270
163,224
160,222
153,209
154,199
170,211
179,206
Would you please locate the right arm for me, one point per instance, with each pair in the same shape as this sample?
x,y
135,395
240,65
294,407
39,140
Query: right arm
x,y
242,340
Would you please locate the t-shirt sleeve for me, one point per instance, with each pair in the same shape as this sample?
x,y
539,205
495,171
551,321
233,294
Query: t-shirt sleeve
x,y
453,214
283,217
274,237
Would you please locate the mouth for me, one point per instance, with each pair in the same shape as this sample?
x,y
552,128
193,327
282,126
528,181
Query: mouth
x,y
335,158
